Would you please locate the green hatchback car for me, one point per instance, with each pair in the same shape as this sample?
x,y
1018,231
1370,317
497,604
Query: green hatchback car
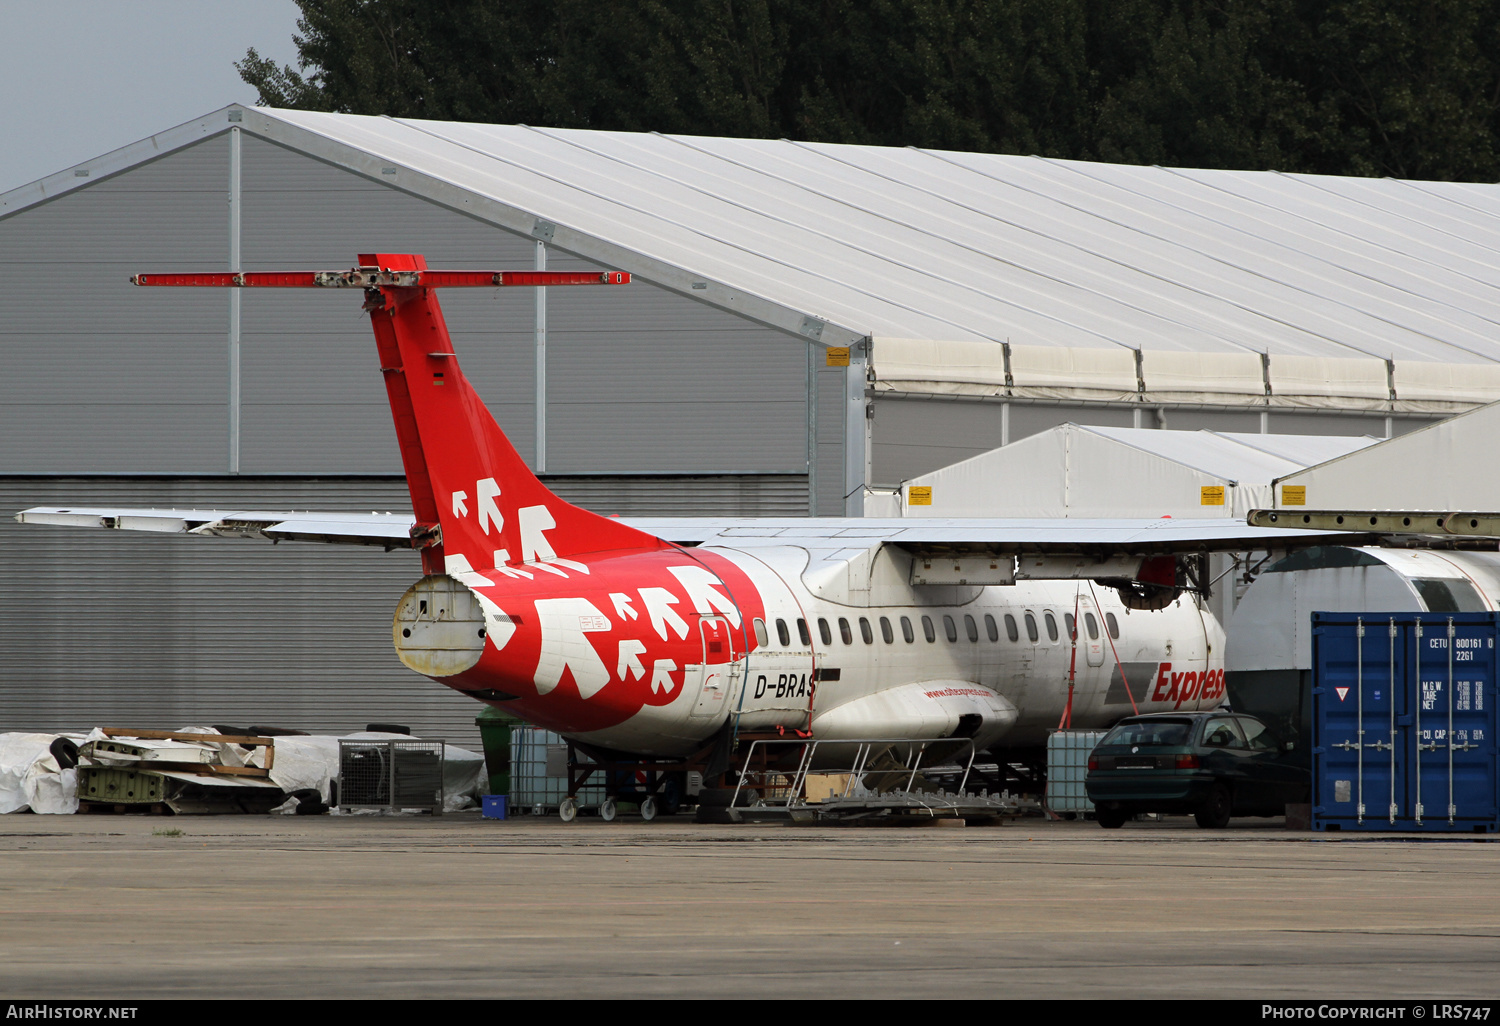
x,y
1211,765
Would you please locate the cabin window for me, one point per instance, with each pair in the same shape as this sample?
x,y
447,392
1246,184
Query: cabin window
x,y
1051,626
885,631
802,632
906,631
865,631
782,634
1031,631
1010,628
1113,624
990,628
950,628
761,637
824,631
1071,625
1092,625
927,630
845,634
971,628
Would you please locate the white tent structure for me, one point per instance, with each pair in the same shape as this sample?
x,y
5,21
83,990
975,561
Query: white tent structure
x,y
1079,470
1450,465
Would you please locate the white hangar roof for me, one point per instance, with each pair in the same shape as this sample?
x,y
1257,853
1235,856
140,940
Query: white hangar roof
x,y
1078,470
1200,272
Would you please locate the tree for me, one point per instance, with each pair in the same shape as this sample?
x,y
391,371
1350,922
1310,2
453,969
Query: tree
x,y
1370,87
1405,88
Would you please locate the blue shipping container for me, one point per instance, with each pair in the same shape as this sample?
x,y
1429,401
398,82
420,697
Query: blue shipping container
x,y
1403,721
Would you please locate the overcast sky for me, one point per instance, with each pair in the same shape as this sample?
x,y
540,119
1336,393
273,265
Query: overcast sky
x,y
83,77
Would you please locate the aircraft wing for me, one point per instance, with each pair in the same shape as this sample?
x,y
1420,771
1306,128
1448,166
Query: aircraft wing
x,y
1051,535
980,535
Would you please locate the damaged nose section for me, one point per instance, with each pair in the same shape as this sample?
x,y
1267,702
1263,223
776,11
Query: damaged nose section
x,y
441,626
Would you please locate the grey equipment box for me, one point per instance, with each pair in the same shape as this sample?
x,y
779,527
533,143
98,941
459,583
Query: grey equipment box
x,y
390,775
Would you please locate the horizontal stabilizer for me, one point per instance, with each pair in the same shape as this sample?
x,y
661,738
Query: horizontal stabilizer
x,y
387,530
377,277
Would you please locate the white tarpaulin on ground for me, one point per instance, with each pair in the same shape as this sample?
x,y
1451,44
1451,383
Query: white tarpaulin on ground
x,y
30,777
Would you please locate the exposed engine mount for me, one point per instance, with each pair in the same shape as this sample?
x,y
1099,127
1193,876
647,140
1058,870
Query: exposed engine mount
x,y
439,628
1156,585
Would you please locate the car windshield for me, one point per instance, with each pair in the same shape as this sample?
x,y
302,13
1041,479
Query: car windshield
x,y
1150,732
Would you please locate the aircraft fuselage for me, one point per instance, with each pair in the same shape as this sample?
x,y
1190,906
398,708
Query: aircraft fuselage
x,y
652,652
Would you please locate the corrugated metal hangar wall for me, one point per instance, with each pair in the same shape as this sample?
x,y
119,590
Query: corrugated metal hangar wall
x,y
976,299
121,396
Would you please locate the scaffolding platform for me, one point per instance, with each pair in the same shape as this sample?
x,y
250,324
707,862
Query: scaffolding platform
x,y
873,778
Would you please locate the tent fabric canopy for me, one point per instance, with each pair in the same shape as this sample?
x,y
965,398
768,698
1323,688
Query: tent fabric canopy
x,y
1446,466
987,369
1201,272
1087,471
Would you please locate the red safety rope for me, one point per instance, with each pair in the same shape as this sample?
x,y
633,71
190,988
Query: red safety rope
x,y
1067,717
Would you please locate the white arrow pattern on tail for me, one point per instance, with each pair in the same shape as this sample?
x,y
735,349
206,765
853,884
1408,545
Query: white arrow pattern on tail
x,y
487,491
565,645
535,548
699,584
623,608
630,659
661,676
659,603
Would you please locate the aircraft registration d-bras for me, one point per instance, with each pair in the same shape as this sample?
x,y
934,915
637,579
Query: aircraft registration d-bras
x,y
661,636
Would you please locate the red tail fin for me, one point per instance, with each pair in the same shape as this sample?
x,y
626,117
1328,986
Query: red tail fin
x,y
464,475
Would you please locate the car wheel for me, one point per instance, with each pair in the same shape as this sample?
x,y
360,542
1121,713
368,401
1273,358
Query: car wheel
x,y
1111,819
1216,810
